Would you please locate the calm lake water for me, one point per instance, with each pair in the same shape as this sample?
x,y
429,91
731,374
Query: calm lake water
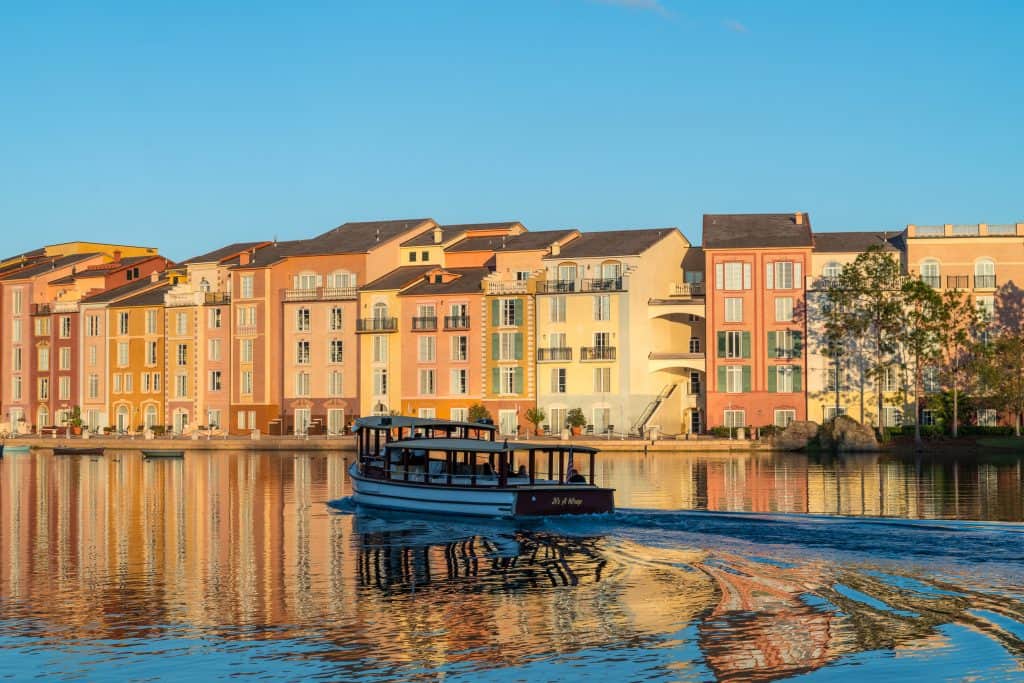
x,y
714,568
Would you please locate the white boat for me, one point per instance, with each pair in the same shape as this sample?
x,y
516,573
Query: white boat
x,y
470,477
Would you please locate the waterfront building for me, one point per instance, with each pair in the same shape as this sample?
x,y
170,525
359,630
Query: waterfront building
x,y
139,363
755,265
602,347
844,386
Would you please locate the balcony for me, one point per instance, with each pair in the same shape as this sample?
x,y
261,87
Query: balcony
x,y
41,309
510,287
603,284
246,330
366,325
424,323
686,289
321,294
984,281
216,298
456,322
554,353
958,281
597,353
557,287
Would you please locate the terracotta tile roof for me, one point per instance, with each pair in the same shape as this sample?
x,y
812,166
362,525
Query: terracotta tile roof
x,y
855,241
527,241
613,243
115,293
751,230
224,252
397,278
361,237
48,264
148,297
467,282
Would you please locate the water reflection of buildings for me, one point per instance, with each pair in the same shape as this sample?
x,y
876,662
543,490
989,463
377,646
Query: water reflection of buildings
x,y
874,485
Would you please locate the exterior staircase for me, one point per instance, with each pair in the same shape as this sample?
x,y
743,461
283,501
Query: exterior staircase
x,y
641,423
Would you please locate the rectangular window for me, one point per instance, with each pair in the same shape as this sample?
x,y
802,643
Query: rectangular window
x,y
16,331
733,309
44,388
64,360
380,348
246,382
427,349
43,359
122,354
511,312
602,307
460,381
122,322
182,354
986,306
215,318
181,324
380,382
94,386
336,321
181,386
695,383
556,418
694,344
508,380
334,383
214,349
147,383
213,418
783,416
42,327
783,309
927,417
245,348
458,414
151,353
891,379
156,382
735,418
507,422
302,321
92,353
427,387
602,380
732,276
302,352
246,286
128,382
785,344
246,316
16,388
92,326
734,344
64,388
16,362
302,384
16,302
460,347
781,274
558,305
988,417
892,416
335,421
65,327
558,380
336,351
509,345
931,380
734,379
215,380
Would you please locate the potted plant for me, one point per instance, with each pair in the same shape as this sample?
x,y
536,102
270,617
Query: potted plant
x,y
478,413
535,416
576,419
75,421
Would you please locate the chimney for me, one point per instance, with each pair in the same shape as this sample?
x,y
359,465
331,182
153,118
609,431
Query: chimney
x,y
154,276
800,217
556,249
243,258
117,255
438,234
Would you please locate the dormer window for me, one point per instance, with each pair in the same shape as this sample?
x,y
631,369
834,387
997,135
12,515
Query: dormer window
x,y
412,257
438,279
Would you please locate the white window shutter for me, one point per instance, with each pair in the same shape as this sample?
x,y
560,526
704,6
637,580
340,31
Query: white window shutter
x,y
798,281
719,276
746,276
319,280
769,276
295,281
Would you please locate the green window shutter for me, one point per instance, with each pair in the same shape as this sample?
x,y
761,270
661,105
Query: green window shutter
x,y
798,344
746,378
495,380
519,345
773,346
797,383
518,307
773,382
721,345
517,380
495,345
494,312
721,377
745,348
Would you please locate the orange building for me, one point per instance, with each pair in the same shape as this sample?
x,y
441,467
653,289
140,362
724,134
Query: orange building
x,y
755,265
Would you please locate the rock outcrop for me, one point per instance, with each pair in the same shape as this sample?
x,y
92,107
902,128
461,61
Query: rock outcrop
x,y
843,434
797,436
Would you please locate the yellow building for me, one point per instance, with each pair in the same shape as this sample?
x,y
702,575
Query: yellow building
x,y
136,359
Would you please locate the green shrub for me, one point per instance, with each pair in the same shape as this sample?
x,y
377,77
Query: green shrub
x,y
576,418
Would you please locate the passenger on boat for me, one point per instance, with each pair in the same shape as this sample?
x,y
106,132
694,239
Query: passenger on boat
x,y
521,472
575,478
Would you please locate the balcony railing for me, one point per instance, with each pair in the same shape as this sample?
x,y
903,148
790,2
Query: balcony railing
x,y
321,294
958,281
456,322
557,287
686,289
984,281
424,323
216,298
245,330
41,309
597,353
602,284
510,287
554,353
377,325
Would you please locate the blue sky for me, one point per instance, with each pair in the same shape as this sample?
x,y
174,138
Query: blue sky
x,y
189,125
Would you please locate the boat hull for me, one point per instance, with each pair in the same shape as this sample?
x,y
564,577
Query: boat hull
x,y
162,454
77,451
511,502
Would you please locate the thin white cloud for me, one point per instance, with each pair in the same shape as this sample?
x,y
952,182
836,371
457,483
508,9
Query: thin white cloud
x,y
735,26
646,5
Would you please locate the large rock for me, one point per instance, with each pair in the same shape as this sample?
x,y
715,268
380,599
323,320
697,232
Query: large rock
x,y
797,436
843,434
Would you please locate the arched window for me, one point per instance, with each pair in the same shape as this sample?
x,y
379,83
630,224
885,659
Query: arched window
x,y
984,274
150,418
380,310
341,279
122,418
930,272
611,270
566,271
831,269
305,280
204,285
